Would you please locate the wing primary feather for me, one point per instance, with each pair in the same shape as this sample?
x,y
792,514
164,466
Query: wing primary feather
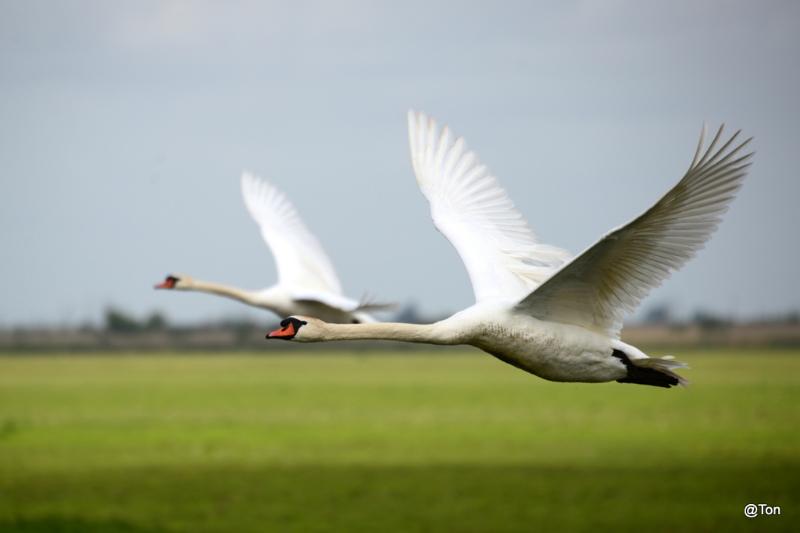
x,y
699,146
597,288
499,250
301,262
722,149
711,146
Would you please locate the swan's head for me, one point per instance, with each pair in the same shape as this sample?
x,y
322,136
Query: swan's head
x,y
299,328
175,281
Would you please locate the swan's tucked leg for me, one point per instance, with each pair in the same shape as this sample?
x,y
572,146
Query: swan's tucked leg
x,y
653,371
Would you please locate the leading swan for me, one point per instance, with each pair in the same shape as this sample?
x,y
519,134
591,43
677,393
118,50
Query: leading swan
x,y
536,309
307,283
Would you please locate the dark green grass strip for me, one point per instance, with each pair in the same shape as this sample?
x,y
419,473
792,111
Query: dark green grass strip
x,y
403,498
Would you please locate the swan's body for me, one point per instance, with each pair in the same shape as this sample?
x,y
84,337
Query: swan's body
x,y
307,283
536,309
521,341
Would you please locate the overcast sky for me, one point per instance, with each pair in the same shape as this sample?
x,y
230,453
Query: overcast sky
x,y
124,127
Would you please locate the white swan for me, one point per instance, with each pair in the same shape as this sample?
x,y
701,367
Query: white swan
x,y
535,309
307,283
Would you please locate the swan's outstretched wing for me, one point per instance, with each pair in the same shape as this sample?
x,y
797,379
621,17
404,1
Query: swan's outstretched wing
x,y
302,263
343,303
334,301
597,288
501,253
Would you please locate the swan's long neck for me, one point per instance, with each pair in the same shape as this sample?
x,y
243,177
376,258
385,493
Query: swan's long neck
x,y
224,290
391,331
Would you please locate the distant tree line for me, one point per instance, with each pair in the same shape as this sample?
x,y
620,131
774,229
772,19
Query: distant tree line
x,y
662,314
119,321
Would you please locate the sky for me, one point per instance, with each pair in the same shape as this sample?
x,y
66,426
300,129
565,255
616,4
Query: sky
x,y
124,128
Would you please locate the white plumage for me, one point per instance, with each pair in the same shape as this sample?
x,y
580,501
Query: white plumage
x,y
600,286
500,251
301,262
536,309
307,282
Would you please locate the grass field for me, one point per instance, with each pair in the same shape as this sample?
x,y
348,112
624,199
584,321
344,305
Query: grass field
x,y
403,442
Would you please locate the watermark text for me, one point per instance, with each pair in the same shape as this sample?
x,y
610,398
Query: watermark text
x,y
752,510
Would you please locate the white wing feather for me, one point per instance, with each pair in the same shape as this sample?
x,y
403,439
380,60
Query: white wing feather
x,y
301,262
334,301
500,252
599,287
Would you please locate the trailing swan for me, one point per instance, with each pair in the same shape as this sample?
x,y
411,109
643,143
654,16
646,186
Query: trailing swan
x,y
307,282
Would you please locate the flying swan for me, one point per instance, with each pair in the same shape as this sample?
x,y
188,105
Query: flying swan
x,y
307,283
537,309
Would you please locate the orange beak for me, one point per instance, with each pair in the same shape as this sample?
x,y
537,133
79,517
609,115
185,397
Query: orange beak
x,y
168,283
285,332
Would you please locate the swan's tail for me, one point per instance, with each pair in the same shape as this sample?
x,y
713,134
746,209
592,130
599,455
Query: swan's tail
x,y
656,371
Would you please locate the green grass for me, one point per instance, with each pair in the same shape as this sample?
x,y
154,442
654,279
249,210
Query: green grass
x,y
405,442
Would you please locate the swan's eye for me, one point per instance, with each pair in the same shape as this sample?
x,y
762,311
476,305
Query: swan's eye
x,y
292,320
